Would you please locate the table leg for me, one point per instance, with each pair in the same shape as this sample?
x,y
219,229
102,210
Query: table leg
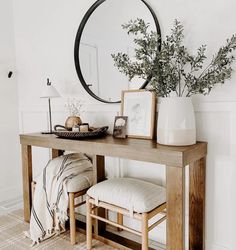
x,y
56,153
175,197
26,152
99,175
197,204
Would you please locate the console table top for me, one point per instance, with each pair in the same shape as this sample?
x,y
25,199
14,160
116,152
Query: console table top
x,y
129,148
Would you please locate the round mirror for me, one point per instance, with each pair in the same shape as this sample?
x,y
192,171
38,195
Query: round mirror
x,y
100,34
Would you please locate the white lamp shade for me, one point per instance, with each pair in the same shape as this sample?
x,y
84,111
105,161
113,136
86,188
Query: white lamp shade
x,y
49,92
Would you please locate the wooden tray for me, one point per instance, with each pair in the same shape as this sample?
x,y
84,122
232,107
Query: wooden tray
x,y
93,133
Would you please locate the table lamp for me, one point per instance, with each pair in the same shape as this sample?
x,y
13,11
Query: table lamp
x,y
49,92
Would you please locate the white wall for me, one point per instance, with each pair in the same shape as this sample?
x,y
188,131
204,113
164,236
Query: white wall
x,y
44,36
10,171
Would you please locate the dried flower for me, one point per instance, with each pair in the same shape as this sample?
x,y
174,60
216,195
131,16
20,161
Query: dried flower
x,y
74,106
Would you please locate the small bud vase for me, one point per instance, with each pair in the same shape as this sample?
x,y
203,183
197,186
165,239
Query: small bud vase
x,y
176,122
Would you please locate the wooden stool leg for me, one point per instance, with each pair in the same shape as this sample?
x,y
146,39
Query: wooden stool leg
x,y
120,221
72,217
144,231
89,224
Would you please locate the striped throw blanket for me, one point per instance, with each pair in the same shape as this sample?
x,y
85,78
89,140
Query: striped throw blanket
x,y
50,204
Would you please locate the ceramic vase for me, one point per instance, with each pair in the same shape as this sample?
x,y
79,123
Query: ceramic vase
x,y
176,122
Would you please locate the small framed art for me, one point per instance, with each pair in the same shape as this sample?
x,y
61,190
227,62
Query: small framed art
x,y
120,127
139,107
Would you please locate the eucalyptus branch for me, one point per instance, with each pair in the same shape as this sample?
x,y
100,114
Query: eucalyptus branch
x,y
173,68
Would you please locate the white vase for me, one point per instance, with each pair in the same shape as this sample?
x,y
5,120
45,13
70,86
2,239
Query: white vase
x,y
176,122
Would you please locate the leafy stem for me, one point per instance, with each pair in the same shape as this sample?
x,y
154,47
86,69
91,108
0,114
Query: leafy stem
x,y
173,68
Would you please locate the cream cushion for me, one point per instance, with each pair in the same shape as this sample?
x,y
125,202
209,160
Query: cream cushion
x,y
132,194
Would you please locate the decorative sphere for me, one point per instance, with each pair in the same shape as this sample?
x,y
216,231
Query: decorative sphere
x,y
71,121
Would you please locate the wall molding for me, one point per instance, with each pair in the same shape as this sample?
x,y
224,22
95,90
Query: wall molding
x,y
9,193
100,107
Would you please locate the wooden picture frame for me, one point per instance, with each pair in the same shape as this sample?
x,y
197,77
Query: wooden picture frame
x,y
139,106
120,127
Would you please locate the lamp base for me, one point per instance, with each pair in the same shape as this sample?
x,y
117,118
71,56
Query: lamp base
x,y
46,132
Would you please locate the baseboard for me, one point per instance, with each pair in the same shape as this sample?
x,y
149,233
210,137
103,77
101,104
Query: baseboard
x,y
12,193
212,246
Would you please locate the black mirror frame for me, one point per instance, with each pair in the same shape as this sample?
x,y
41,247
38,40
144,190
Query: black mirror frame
x,y
77,45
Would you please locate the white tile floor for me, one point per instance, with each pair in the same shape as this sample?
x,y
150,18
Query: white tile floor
x,y
11,205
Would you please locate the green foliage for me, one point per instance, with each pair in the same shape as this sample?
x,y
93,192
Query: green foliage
x,y
145,51
173,68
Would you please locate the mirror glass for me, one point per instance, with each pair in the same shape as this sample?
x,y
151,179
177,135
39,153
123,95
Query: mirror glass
x,y
102,35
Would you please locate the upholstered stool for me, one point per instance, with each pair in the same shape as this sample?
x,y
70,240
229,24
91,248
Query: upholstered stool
x,y
76,187
127,196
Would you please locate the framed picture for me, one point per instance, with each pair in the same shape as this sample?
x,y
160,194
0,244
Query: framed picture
x,y
120,127
139,106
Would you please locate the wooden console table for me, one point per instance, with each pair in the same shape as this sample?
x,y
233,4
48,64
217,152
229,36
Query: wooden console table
x,y
175,159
